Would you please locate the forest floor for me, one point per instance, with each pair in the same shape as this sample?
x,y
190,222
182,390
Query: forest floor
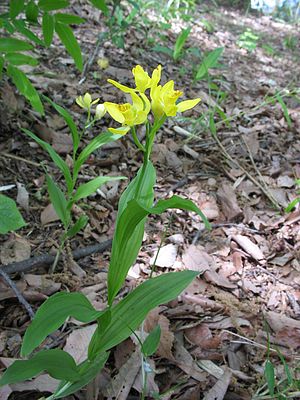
x,y
245,306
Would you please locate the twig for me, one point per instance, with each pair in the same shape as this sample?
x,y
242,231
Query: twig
x,y
16,291
258,171
8,155
262,188
48,259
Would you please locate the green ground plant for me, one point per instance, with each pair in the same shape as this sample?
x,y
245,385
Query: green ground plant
x,y
120,318
64,199
248,40
10,217
36,22
293,203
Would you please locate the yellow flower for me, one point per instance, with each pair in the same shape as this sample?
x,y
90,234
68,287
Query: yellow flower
x,y
163,100
142,80
86,101
129,114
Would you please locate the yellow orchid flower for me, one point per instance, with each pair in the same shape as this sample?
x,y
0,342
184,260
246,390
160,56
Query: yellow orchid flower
x,y
129,114
142,80
163,101
86,101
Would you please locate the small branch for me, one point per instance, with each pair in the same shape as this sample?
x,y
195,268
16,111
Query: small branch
x,y
47,259
16,291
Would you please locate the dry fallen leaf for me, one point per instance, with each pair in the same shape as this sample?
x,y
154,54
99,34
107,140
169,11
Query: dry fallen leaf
x,y
77,342
15,249
218,391
251,248
166,256
229,203
48,215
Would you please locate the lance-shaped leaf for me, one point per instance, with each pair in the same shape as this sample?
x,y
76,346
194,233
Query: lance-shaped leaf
x,y
57,363
59,162
21,59
68,18
79,224
53,313
68,39
58,201
69,121
15,7
97,142
130,312
50,5
48,28
88,370
151,342
141,189
25,87
133,214
90,187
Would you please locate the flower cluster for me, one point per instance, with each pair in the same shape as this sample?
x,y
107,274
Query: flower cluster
x,y
162,101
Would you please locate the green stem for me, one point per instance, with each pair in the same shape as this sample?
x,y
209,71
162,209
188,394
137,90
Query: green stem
x,y
136,140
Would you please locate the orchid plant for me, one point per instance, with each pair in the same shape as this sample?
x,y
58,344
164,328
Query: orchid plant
x,y
120,318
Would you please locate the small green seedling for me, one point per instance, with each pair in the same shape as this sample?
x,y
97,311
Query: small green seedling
x,y
209,61
248,40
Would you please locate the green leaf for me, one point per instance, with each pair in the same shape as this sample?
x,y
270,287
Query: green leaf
x,y
50,5
69,121
292,204
270,377
53,313
21,59
68,39
58,201
95,144
101,5
1,66
184,34
20,27
10,217
88,370
124,253
68,19
48,28
8,26
210,61
25,87
57,363
163,49
59,162
15,8
284,109
127,223
32,11
130,312
151,343
80,224
10,45
90,187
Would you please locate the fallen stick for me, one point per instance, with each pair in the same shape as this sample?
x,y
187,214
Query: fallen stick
x,y
47,259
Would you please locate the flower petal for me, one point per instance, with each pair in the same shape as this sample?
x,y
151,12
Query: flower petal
x,y
187,105
123,88
120,131
114,112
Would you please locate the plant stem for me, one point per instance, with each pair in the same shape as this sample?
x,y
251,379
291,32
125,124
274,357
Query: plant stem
x,y
136,140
